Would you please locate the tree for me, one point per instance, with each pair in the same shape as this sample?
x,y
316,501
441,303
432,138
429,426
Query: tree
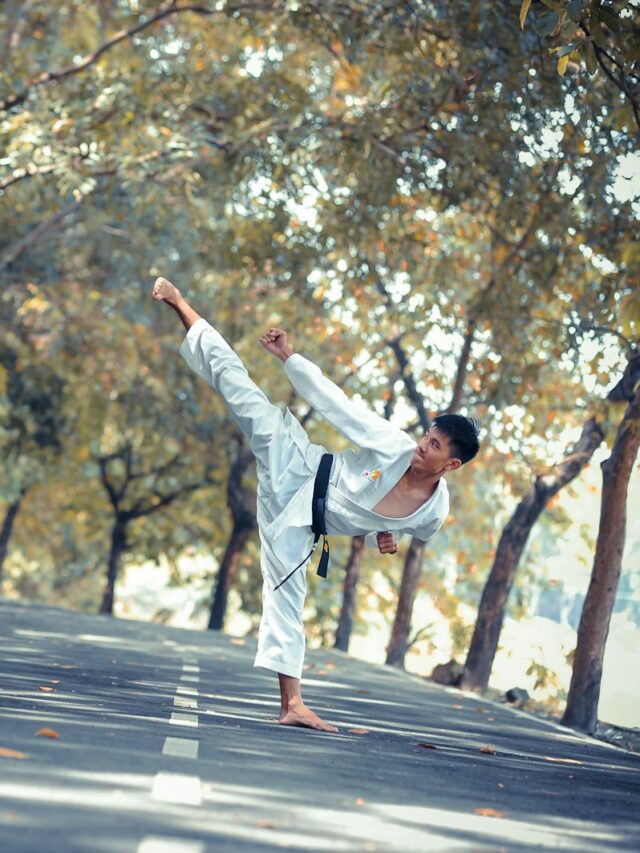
x,y
582,702
119,471
239,501
351,580
513,539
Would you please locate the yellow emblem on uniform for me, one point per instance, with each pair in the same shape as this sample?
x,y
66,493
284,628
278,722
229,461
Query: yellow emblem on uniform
x,y
373,475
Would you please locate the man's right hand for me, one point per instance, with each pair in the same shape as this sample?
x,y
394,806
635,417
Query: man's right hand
x,y
275,342
386,543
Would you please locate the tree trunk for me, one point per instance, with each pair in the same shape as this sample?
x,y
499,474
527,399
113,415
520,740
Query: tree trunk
x,y
118,544
7,527
244,522
352,577
584,692
398,643
226,574
493,602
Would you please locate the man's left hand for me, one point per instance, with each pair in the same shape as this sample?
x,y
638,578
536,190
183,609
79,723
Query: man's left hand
x,y
386,543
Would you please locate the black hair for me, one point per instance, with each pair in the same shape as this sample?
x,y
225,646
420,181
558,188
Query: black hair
x,y
462,433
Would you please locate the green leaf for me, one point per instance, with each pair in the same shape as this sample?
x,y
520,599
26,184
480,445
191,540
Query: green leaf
x,y
574,10
546,24
524,9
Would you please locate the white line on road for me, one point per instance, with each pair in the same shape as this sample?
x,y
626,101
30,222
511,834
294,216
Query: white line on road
x,y
188,667
183,702
157,844
193,678
177,788
184,720
179,747
187,691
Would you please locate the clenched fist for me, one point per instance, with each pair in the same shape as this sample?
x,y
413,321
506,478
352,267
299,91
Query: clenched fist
x,y
386,543
275,342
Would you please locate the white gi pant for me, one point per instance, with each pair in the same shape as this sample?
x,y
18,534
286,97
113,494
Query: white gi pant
x,y
285,460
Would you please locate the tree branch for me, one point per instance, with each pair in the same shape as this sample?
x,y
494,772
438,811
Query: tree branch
x,y
123,35
14,252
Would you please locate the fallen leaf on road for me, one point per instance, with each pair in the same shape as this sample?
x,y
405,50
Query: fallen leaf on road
x,y
490,719
358,731
266,824
458,707
562,760
68,666
45,732
426,745
330,665
237,641
45,689
363,691
499,785
488,750
488,812
479,709
321,672
12,753
55,680
360,801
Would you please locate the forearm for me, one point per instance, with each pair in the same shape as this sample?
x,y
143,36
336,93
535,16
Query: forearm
x,y
185,312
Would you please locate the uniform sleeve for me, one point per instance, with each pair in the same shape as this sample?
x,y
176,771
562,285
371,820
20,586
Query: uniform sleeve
x,y
354,420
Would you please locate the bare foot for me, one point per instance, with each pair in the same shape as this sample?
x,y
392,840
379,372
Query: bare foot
x,y
299,715
164,291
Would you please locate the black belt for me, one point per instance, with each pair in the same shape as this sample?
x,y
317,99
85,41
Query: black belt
x,y
318,523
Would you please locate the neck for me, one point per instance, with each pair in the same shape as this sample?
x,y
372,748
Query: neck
x,y
425,482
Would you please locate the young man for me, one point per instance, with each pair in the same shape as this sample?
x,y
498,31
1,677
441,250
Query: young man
x,y
390,487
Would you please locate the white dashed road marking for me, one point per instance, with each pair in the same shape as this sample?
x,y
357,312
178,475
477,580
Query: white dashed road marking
x,y
184,702
187,691
177,788
178,719
157,844
180,747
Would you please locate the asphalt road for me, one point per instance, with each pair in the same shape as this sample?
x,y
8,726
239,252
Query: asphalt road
x,y
167,744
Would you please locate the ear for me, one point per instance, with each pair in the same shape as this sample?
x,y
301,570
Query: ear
x,y
453,463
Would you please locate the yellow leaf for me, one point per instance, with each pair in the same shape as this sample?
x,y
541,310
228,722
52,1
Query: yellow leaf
x,y
488,750
45,732
358,731
563,61
12,753
524,10
488,812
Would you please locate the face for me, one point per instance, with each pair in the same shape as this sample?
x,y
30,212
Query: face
x,y
433,454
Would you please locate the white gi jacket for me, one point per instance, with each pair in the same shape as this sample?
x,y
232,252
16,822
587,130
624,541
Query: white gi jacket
x,y
359,480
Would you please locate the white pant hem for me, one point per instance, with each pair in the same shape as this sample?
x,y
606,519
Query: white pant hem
x,y
281,667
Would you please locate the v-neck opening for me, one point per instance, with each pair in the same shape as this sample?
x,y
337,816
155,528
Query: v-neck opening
x,y
405,517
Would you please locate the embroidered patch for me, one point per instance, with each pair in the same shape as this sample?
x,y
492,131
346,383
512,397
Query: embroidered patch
x,y
374,474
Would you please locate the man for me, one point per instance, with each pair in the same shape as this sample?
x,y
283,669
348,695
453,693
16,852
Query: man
x,y
390,487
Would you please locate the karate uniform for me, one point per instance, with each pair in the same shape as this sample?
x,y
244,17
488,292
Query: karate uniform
x,y
287,461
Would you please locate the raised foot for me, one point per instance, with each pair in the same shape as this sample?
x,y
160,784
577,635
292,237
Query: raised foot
x,y
164,291
300,715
